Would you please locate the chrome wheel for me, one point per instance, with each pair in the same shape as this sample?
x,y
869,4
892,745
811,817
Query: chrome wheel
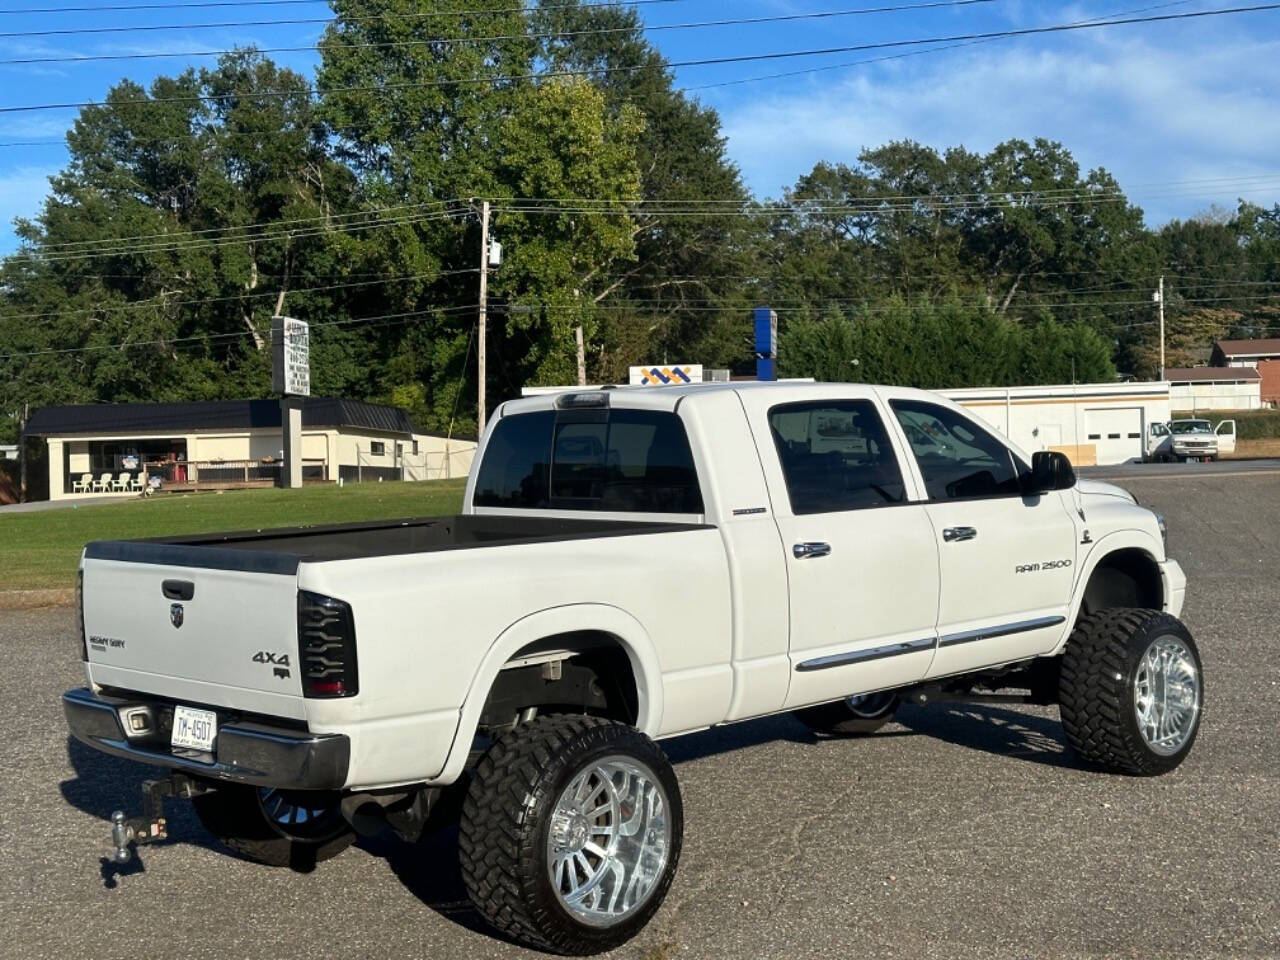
x,y
870,705
608,841
297,816
1166,695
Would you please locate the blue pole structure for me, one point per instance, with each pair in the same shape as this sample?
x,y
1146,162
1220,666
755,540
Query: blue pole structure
x,y
766,343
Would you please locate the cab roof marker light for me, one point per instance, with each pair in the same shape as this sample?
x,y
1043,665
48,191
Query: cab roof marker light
x,y
574,401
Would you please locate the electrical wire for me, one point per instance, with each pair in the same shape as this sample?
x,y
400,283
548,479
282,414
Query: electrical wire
x,y
699,62
235,24
450,41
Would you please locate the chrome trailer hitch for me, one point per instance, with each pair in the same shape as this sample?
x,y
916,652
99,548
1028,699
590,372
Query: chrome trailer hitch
x,y
128,832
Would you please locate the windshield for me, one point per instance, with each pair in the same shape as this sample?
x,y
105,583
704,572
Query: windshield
x,y
1192,426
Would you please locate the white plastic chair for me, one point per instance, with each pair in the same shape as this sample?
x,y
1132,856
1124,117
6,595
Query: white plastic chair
x,y
102,484
138,482
121,483
83,485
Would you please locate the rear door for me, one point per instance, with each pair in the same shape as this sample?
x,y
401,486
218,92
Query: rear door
x,y
862,566
1005,559
223,634
1226,433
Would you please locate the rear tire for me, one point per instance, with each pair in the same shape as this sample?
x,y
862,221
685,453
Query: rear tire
x,y
571,833
295,829
1131,691
852,716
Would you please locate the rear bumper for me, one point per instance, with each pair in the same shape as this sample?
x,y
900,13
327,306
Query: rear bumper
x,y
245,752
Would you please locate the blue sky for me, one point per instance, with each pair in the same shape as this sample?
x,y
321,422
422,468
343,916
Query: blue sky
x,y
1168,108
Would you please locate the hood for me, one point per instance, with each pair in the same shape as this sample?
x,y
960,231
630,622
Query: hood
x,y
1096,488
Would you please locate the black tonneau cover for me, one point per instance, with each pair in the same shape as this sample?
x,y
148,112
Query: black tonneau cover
x,y
281,550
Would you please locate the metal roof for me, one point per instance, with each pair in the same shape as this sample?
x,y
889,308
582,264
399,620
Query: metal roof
x,y
317,412
1266,347
1210,374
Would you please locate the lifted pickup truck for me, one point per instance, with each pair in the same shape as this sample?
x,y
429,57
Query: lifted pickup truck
x,y
630,565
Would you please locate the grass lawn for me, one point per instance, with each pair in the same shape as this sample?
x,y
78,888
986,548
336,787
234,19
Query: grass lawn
x,y
41,550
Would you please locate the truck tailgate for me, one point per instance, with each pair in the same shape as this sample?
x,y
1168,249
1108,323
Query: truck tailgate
x,y
204,625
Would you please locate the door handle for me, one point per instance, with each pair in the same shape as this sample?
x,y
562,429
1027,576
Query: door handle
x,y
956,534
802,551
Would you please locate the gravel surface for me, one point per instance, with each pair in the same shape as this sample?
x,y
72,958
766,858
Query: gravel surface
x,y
960,831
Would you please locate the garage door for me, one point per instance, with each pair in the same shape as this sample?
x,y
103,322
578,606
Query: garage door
x,y
1116,432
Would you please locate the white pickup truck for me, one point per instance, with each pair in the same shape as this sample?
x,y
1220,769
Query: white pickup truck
x,y
629,565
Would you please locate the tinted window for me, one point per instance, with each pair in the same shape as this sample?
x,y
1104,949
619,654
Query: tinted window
x,y
835,455
628,460
959,460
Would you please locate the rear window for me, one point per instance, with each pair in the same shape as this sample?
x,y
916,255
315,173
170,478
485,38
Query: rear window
x,y
624,460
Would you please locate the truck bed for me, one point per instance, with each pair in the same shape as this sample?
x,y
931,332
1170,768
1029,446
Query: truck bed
x,y
281,550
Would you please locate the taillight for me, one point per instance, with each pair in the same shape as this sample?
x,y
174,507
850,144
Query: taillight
x,y
326,646
84,646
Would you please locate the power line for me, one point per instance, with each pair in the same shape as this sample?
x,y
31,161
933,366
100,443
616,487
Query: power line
x,y
700,62
437,205
916,53
179,244
160,6
408,214
204,338
201,301
450,41
371,18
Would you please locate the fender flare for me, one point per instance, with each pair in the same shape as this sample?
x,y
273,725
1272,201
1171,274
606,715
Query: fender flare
x,y
1128,539
570,618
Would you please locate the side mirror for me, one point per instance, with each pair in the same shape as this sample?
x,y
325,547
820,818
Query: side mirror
x,y
1050,470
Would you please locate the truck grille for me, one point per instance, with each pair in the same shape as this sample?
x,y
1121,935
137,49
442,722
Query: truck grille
x,y
326,646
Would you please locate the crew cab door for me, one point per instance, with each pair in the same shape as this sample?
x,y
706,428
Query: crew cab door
x,y
1226,434
862,565
1006,559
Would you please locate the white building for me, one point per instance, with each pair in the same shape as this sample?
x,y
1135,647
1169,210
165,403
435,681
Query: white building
x,y
225,444
1092,423
1201,389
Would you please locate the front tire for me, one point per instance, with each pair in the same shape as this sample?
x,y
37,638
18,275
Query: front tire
x,y
852,716
571,833
278,828
1131,691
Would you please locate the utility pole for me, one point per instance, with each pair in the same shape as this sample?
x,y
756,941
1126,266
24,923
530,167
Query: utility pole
x,y
484,306
1158,297
22,454
582,357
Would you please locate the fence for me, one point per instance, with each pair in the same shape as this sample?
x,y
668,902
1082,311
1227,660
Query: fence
x,y
408,467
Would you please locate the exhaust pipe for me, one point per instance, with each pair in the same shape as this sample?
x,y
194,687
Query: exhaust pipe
x,y
366,812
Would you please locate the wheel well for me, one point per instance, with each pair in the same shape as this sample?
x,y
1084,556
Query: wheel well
x,y
1126,578
581,672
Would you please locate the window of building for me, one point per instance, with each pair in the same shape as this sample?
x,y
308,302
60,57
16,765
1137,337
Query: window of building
x,y
835,455
958,459
625,460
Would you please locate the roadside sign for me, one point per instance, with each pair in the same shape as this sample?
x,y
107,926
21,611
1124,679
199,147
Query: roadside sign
x,y
290,357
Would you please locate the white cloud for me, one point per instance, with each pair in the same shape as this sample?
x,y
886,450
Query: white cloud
x,y
1149,114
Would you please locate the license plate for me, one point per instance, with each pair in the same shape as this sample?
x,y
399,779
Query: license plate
x,y
194,729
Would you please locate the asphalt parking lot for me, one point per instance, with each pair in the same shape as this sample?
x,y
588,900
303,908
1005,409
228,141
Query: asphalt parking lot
x,y
961,831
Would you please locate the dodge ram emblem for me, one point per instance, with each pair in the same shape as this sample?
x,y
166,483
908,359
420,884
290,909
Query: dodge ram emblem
x,y
175,614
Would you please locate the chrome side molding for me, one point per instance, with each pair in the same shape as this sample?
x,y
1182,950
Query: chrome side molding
x,y
871,653
927,643
1001,630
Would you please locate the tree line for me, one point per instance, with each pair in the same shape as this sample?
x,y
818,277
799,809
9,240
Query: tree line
x,y
193,209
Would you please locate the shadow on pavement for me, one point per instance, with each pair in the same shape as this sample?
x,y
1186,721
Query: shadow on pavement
x,y
103,784
995,730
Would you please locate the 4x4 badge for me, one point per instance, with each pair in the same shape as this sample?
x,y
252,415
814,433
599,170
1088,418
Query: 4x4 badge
x,y
175,614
